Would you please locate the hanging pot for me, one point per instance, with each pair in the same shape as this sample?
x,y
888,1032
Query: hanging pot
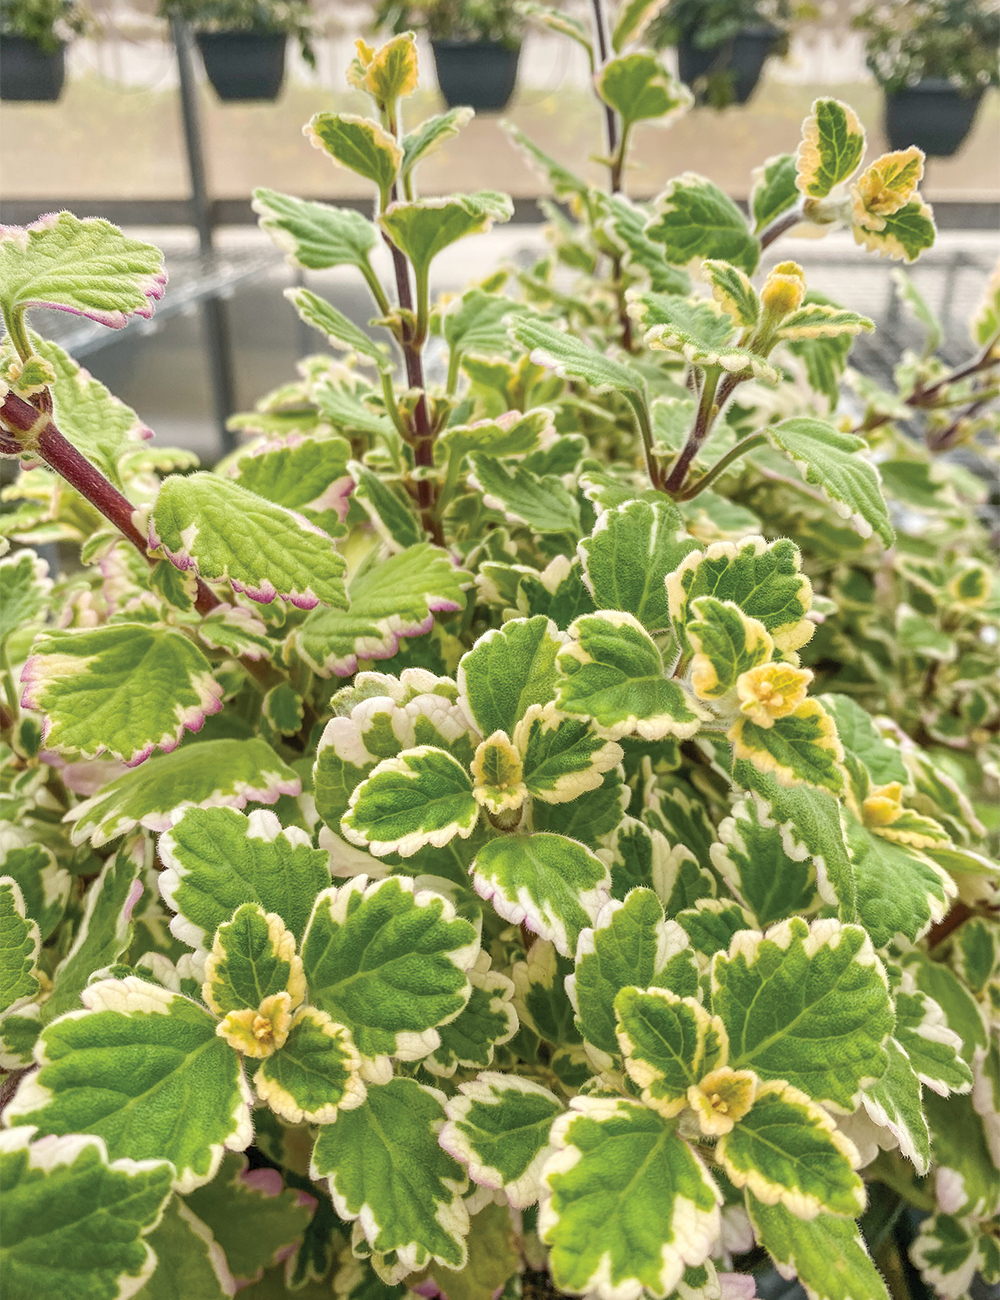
x,y
934,115
740,60
480,74
28,72
244,65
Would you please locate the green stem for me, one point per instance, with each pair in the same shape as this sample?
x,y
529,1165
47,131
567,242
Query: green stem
x,y
618,161
377,292
8,683
17,333
734,453
422,278
454,361
391,407
638,405
450,481
707,411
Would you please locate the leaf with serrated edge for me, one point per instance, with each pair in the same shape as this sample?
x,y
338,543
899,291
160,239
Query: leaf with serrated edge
x,y
339,330
315,235
832,146
386,1169
20,945
553,885
563,758
315,1074
431,134
947,1255
509,670
727,643
639,87
694,219
541,502
86,1083
900,890
24,587
774,189
423,228
769,871
124,689
223,532
498,1127
826,1254
567,356
488,1020
626,1204
933,1047
358,144
389,961
901,235
421,797
894,1103
44,883
213,773
808,1004
801,748
189,1261
253,958
613,673
668,1044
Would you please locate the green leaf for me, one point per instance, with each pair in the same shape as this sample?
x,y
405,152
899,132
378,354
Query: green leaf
x,y
626,224
189,1261
216,860
339,331
498,1127
553,885
734,293
477,323
232,628
631,21
24,588
392,513
588,820
628,556
640,87
567,356
985,322
894,1102
694,219
962,1015
826,1254
212,773
73,1223
103,933
711,924
767,869
726,644
562,757
668,1044
864,743
565,184
508,670
788,1151
44,884
901,235
423,796
125,1068
358,144
422,229
829,460
626,1203
816,320
541,502
253,958
315,235
540,995
315,1074
124,689
900,890
389,962
19,948
223,532
808,1004
800,748
929,1039
967,1179
975,954
386,1169
512,434
946,1252
774,190
613,673
85,267
488,1020
431,134
390,600
833,144
701,333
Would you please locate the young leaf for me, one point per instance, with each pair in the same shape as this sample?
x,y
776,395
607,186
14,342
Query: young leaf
x,y
392,513
695,219
701,333
626,1204
567,356
800,748
212,773
831,461
389,962
726,644
640,87
75,1223
628,556
254,980
774,190
89,1082
768,870
833,143
732,290
540,502
826,1254
19,949
422,229
562,757
817,320
315,235
85,267
358,144
315,1075
388,73
668,1044
631,21
223,532
613,673
431,134
386,1169
787,1151
808,1004
552,884
901,235
508,670
390,601
216,860
339,331
124,689
423,796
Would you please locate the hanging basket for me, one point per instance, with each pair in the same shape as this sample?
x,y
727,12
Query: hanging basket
x,y
480,74
740,61
244,65
933,114
29,73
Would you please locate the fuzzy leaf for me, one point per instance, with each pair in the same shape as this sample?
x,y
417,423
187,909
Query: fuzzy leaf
x,y
863,743
567,356
44,884
817,320
189,1261
212,773
833,143
85,267
431,134
477,323
894,1102
24,586
774,190
314,1075
807,1004
626,224
701,333
253,958
613,673
832,461
389,962
510,435
826,1254
900,890
695,219
540,501
222,531
498,1127
631,20
392,513
391,600
628,556
668,1043
901,235
73,1223
508,670
930,1041
421,797
422,229
124,689
639,87
562,757
316,236
946,1252
488,1020
565,184
19,948
800,748
358,144
339,330
726,643
385,1167
768,870
626,1203
125,1068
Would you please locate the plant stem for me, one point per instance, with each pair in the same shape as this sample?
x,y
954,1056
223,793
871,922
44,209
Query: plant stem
x,y
638,405
734,453
983,360
377,292
779,225
707,411
610,120
618,162
17,333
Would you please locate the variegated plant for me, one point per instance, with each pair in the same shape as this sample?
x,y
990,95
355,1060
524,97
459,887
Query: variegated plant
x,y
523,825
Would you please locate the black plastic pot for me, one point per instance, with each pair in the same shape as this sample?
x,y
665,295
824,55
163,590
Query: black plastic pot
x,y
244,65
741,60
933,115
28,72
481,74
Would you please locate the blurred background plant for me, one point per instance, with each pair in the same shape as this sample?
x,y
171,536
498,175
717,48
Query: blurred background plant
x,y
47,23
955,40
456,20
